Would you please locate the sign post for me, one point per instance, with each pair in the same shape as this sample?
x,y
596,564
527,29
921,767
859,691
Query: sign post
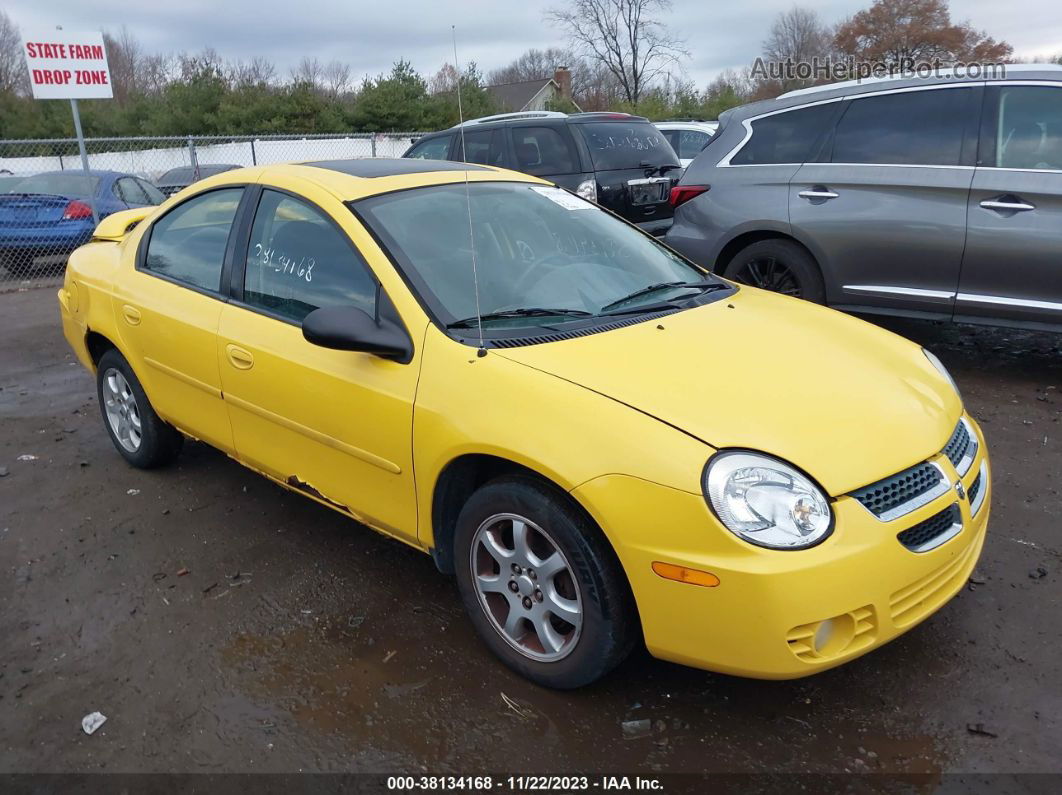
x,y
72,66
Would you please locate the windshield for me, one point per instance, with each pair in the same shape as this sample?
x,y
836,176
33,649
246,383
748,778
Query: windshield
x,y
617,145
537,247
60,184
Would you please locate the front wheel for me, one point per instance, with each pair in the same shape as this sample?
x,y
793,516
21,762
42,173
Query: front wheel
x,y
143,438
780,266
542,586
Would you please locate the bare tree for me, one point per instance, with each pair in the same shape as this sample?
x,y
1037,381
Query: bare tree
x,y
797,36
444,81
125,57
335,77
158,72
259,71
13,76
309,70
624,36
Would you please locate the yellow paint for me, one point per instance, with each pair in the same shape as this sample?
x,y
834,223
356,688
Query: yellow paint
x,y
623,420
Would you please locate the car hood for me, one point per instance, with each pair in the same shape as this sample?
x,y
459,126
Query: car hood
x,y
846,401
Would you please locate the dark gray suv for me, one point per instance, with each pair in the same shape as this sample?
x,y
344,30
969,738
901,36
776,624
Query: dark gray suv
x,y
937,198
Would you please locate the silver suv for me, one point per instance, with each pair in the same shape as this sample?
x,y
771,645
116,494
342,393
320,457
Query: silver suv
x,y
937,198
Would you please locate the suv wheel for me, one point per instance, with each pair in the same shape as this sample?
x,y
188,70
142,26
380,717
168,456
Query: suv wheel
x,y
780,266
542,586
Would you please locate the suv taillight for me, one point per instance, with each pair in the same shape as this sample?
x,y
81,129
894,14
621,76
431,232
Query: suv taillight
x,y
77,210
680,194
587,189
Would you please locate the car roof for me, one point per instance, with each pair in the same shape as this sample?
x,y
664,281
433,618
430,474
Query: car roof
x,y
850,88
92,172
349,180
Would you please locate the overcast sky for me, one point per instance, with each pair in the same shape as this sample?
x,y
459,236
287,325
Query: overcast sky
x,y
372,35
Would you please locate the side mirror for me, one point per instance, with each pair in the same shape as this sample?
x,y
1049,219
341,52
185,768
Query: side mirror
x,y
346,328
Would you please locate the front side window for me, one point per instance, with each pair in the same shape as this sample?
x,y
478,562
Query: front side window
x,y
299,261
188,243
786,137
431,149
1029,129
912,128
537,247
542,150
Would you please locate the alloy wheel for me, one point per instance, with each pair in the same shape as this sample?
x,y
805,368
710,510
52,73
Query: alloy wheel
x,y
122,412
768,273
526,587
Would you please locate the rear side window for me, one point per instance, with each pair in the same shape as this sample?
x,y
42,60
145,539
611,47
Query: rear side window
x,y
432,148
543,150
1028,132
786,137
154,195
690,143
129,191
483,146
912,128
188,243
299,261
618,145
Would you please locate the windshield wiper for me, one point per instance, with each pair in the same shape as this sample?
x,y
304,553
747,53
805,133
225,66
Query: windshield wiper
x,y
653,288
525,311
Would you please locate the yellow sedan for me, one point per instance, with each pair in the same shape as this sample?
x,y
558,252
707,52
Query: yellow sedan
x,y
605,444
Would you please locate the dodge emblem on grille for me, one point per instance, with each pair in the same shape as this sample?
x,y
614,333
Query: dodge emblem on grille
x,y
960,491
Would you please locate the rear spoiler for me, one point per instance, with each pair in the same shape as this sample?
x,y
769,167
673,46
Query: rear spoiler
x,y
116,226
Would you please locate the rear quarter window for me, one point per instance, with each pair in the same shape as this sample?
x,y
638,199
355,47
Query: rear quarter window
x,y
786,137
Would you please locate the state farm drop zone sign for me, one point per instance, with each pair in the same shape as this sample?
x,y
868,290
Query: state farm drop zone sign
x,y
66,65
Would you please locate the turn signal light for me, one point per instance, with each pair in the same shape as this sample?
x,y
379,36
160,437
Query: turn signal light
x,y
77,210
669,571
680,194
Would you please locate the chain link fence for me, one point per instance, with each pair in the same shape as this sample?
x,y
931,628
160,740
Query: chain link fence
x,y
49,206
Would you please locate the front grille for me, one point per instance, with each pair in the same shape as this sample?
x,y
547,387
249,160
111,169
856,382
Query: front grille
x,y
903,492
974,490
961,448
914,602
934,531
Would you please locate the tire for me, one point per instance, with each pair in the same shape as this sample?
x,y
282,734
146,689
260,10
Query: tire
x,y
589,579
124,405
780,266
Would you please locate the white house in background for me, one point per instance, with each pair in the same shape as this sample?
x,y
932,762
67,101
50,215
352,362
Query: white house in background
x,y
534,94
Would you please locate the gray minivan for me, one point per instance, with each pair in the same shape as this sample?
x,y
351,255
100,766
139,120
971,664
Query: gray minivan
x,y
938,197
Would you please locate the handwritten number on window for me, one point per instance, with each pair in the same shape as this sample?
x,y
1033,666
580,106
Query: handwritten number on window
x,y
298,268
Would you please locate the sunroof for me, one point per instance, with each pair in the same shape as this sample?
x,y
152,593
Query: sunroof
x,y
391,166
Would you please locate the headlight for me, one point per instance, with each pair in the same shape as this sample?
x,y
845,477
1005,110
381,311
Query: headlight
x,y
766,502
942,370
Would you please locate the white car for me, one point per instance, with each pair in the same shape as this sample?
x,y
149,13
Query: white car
x,y
687,138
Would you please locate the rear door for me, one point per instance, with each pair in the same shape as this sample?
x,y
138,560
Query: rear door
x,y
1012,267
628,156
548,152
884,212
486,147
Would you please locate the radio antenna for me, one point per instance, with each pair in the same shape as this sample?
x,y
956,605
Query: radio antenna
x,y
468,199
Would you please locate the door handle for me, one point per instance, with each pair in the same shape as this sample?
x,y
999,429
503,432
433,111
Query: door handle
x,y
1007,206
131,315
818,192
239,358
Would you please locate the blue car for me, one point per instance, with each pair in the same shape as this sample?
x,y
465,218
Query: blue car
x,y
45,217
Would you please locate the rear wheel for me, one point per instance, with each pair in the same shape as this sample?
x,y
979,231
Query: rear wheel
x,y
138,433
780,266
541,585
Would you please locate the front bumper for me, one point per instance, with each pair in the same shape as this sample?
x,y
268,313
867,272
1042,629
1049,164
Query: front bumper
x,y
762,618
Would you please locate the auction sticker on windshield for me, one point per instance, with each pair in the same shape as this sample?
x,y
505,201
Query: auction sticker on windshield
x,y
568,201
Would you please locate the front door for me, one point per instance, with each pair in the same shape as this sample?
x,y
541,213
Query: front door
x,y
336,425
168,311
885,212
1013,263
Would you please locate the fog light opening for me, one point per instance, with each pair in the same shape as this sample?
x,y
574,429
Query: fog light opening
x,y
833,635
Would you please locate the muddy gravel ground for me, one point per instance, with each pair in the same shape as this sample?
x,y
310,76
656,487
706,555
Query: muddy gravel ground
x,y
223,624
